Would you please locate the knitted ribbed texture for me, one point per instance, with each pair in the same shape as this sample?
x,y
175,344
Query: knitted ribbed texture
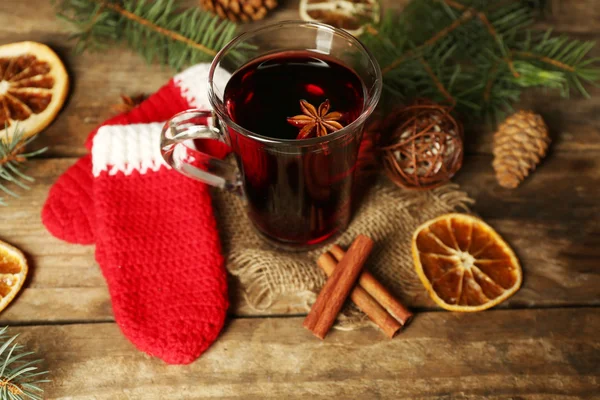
x,y
155,233
68,211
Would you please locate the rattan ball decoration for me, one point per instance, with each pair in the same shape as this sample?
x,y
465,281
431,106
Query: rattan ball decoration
x,y
421,145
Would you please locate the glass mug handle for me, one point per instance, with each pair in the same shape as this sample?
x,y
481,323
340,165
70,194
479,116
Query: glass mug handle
x,y
178,150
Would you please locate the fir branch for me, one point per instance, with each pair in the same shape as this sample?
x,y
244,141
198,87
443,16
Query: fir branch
x,y
159,30
436,81
548,60
168,33
464,17
20,379
435,22
490,82
558,55
12,159
477,54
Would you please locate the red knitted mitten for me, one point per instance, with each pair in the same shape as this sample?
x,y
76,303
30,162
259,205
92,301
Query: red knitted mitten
x,y
157,244
68,213
156,237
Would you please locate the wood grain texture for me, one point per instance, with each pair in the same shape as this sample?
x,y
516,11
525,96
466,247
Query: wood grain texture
x,y
525,354
572,123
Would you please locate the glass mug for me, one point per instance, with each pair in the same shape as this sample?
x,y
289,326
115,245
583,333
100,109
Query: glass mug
x,y
297,192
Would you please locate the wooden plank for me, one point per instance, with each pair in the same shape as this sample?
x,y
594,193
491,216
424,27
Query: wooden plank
x,y
529,354
572,16
551,221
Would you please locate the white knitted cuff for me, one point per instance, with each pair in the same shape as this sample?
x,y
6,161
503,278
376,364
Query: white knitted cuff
x,y
127,148
193,83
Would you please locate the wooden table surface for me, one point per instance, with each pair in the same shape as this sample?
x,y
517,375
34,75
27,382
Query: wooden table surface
x,y
544,343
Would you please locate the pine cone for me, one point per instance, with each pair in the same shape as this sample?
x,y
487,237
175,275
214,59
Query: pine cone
x,y
519,145
239,10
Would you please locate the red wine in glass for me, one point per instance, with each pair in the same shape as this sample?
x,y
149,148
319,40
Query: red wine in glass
x,y
295,194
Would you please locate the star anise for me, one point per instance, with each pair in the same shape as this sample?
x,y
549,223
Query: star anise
x,y
316,122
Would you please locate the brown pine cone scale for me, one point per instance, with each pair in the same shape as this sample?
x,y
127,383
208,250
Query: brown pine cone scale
x,y
520,143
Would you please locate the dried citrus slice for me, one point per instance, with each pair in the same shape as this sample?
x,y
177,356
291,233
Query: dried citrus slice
x,y
13,271
464,264
350,15
33,87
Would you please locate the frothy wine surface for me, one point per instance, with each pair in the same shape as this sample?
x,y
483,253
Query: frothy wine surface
x,y
264,93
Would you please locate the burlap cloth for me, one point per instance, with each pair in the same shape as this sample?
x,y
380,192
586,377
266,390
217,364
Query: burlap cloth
x,y
387,214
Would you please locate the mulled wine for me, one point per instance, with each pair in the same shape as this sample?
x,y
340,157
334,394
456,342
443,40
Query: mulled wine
x,y
264,93
297,194
293,119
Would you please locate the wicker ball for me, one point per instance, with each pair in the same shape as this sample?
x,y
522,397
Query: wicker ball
x,y
421,145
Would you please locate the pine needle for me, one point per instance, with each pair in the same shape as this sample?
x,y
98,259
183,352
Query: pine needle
x,y
19,379
160,30
12,160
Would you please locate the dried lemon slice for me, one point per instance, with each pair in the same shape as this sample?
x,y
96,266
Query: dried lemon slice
x,y
350,15
464,264
13,271
33,87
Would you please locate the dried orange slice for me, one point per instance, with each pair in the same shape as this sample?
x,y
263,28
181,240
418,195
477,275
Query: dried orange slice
x,y
350,15
33,87
464,264
13,271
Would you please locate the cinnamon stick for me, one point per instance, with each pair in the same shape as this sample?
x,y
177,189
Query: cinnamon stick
x,y
373,287
363,300
337,288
